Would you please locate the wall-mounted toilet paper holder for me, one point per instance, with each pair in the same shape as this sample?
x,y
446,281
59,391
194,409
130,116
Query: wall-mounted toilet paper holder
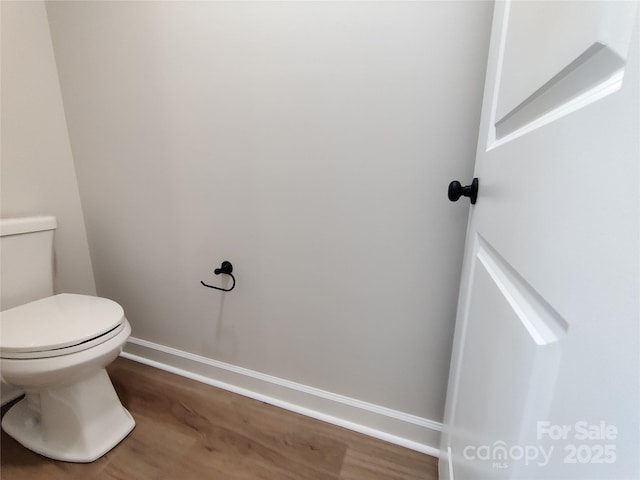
x,y
225,268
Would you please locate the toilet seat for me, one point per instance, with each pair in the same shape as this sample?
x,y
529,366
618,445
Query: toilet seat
x,y
59,325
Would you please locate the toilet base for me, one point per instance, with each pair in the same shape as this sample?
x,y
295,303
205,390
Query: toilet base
x,y
79,422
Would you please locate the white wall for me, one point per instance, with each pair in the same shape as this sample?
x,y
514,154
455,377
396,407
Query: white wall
x,y
311,144
37,168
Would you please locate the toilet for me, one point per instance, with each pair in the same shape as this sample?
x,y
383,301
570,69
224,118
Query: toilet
x,y
55,348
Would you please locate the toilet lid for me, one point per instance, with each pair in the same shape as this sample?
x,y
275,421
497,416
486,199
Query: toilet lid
x,y
57,322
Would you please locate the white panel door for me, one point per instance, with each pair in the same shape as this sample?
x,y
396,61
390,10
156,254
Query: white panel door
x,y
544,378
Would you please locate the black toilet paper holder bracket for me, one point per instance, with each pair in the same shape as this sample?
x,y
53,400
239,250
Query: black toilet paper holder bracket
x,y
226,268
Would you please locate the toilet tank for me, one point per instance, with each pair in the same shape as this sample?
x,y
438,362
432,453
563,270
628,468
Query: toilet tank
x,y
26,259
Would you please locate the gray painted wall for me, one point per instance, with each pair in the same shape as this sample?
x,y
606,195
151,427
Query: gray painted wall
x,y
37,170
311,144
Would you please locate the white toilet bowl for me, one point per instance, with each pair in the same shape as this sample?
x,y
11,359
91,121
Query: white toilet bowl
x,y
56,349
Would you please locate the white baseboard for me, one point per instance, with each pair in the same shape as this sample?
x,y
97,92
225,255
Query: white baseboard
x,y
396,427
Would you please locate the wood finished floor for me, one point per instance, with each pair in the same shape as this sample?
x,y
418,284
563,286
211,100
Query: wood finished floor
x,y
189,430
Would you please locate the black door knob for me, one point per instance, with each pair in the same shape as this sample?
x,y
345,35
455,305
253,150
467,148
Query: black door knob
x,y
456,191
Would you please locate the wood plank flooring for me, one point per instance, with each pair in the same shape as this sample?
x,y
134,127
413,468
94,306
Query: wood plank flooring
x,y
189,430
